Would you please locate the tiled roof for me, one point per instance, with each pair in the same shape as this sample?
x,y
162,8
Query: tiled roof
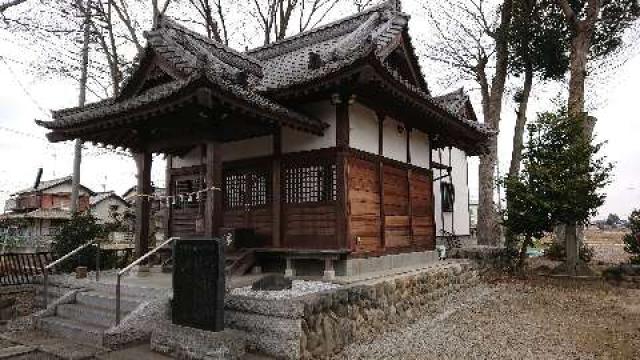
x,y
101,196
454,101
286,62
69,119
56,214
253,77
45,185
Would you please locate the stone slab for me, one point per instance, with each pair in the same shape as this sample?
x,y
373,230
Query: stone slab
x,y
185,342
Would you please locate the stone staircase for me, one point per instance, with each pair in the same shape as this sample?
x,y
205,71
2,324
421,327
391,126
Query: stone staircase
x,y
92,313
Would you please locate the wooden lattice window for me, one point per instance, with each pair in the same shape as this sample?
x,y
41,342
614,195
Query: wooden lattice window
x,y
246,188
308,184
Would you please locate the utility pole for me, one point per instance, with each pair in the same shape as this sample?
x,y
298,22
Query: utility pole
x,y
77,155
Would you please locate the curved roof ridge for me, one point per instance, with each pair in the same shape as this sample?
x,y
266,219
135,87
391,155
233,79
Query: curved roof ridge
x,y
167,22
278,47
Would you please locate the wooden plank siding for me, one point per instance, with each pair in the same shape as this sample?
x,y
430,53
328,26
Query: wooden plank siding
x,y
423,224
310,226
408,223
389,206
364,199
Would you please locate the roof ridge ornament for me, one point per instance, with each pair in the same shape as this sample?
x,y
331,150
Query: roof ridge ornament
x,y
359,37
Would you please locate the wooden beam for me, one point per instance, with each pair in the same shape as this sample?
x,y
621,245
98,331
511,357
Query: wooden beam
x,y
143,205
381,117
213,206
342,173
276,187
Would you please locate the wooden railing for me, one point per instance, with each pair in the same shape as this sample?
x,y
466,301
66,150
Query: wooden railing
x,y
21,268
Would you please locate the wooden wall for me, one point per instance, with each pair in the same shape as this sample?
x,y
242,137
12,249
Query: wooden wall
x,y
364,200
404,222
310,226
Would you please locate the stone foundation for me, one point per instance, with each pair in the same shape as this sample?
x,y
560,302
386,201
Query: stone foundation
x,y
324,323
355,267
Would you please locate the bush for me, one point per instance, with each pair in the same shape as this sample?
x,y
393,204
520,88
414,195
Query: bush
x,y
81,229
632,239
557,252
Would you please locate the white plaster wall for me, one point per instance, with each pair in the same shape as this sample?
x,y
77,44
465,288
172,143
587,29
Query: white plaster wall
x,y
235,150
458,221
419,147
102,210
460,182
394,143
293,140
193,157
248,148
363,128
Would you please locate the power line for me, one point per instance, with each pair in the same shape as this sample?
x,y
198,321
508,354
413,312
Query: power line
x,y
24,88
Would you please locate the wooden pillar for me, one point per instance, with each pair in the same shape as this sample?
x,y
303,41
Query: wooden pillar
x,y
276,198
381,117
143,205
213,206
409,200
167,205
342,182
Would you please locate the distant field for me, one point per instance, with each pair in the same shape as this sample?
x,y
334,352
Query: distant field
x,y
596,236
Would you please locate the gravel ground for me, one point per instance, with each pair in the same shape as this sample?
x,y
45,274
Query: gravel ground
x,y
298,288
536,319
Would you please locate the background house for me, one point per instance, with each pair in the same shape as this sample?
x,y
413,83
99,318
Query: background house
x,y
38,211
110,208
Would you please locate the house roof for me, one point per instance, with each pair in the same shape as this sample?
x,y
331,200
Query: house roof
x,y
101,196
258,77
53,214
456,102
81,116
157,191
48,184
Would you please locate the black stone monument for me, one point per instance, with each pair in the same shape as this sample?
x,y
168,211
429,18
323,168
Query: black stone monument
x,y
198,284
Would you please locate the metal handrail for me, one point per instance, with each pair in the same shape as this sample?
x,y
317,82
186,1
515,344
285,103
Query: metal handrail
x,y
65,257
130,266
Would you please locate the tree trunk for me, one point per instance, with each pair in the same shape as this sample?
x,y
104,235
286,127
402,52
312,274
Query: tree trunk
x,y
580,46
488,228
571,246
521,121
84,68
523,253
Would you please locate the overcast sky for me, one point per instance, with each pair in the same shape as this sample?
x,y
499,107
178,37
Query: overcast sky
x,y
23,147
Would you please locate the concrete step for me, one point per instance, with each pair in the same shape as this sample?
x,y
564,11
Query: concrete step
x,y
129,290
88,314
74,330
107,301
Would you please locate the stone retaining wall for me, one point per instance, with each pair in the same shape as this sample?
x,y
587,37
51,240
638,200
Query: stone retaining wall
x,y
324,323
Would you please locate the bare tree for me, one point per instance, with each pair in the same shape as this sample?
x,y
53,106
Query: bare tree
x,y
274,17
363,4
9,3
469,38
214,18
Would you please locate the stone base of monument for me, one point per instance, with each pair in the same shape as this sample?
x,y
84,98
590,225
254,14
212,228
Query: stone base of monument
x,y
183,342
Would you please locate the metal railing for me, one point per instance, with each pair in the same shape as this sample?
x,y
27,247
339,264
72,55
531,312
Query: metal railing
x,y
65,257
130,266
